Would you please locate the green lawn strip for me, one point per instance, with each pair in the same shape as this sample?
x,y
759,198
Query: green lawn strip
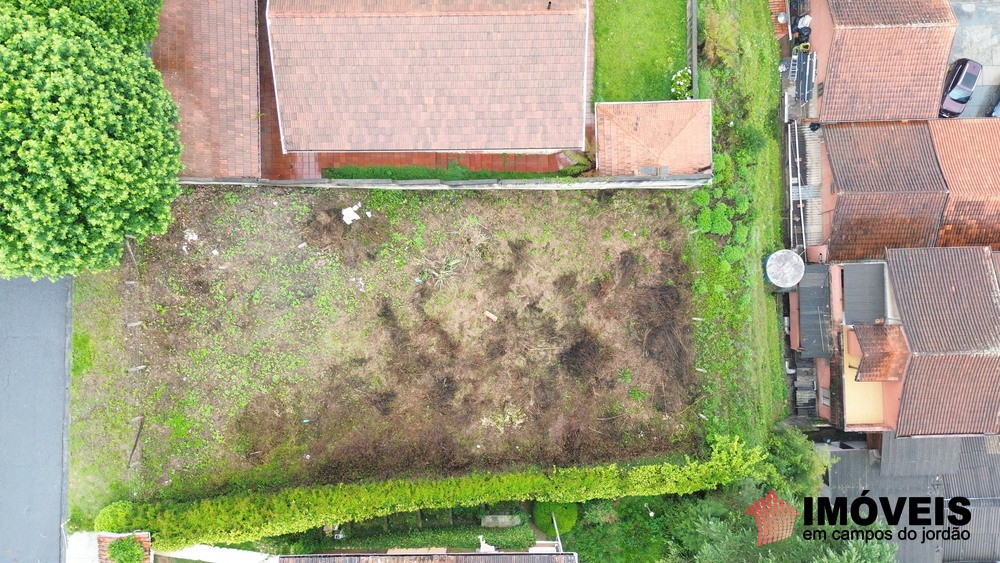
x,y
453,173
456,538
744,390
638,46
99,405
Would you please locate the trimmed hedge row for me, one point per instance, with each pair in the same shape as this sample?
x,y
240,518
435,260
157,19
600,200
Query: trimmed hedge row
x,y
235,519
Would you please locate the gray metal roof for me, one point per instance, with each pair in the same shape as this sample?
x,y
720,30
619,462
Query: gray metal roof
x,y
978,476
864,293
814,312
34,379
919,456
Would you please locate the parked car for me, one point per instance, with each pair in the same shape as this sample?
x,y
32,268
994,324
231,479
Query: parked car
x,y
958,91
996,109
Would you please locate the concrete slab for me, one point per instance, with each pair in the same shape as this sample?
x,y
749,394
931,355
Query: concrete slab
x,y
978,38
34,383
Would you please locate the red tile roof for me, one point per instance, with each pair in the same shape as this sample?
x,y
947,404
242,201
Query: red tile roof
x,y
677,135
885,353
435,75
953,394
949,302
890,13
207,53
967,150
883,157
865,224
949,298
888,59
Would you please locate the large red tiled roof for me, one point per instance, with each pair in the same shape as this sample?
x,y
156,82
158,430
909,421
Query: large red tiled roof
x,y
885,353
883,157
207,53
949,298
887,60
967,150
952,394
865,224
677,135
436,75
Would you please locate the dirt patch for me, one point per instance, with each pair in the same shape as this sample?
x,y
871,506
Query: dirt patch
x,y
458,332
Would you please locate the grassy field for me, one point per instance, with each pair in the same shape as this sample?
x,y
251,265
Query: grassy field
x,y
638,46
444,332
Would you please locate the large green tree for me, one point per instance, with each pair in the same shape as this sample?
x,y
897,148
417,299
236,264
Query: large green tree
x,y
88,150
132,23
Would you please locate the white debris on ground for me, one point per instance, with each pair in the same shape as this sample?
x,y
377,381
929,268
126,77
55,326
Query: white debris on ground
x,y
189,236
360,282
351,213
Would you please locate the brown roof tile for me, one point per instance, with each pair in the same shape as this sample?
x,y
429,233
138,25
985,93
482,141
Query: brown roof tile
x,y
881,13
885,353
968,150
676,134
883,157
948,298
207,53
865,224
952,394
886,73
430,76
971,220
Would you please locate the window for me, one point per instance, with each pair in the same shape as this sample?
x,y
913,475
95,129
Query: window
x,y
824,393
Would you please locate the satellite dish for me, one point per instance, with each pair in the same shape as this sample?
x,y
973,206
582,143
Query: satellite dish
x,y
785,268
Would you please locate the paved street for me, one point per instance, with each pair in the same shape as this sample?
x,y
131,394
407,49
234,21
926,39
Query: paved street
x,y
34,332
978,38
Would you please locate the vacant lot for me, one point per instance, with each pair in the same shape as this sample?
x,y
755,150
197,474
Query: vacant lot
x,y
438,333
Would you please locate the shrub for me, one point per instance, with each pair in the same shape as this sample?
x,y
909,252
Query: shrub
x,y
126,550
251,516
565,514
799,466
704,220
600,512
88,151
128,22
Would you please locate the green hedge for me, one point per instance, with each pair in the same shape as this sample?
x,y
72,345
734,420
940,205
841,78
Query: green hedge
x,y
566,516
248,517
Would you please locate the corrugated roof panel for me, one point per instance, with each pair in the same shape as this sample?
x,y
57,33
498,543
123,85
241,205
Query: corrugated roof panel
x,y
864,293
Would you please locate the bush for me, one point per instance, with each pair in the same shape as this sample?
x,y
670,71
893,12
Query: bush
x,y
88,150
600,512
126,550
128,22
248,517
799,466
566,515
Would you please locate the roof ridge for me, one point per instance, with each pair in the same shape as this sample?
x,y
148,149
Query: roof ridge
x,y
679,133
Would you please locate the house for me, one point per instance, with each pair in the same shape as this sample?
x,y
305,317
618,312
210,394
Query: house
x,y
887,465
915,343
877,60
907,184
654,138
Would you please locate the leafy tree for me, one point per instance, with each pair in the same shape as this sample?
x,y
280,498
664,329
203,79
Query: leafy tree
x,y
88,151
129,22
126,550
566,515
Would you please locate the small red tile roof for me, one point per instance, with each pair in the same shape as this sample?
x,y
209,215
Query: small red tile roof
x,y
431,75
104,539
865,224
207,53
885,353
888,59
676,134
949,298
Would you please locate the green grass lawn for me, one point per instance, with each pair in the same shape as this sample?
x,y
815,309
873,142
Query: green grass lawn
x,y
638,46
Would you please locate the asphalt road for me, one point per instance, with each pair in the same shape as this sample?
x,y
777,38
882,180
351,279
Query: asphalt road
x,y
34,382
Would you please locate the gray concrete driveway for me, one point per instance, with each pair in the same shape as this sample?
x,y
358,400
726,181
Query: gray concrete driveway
x,y
978,38
34,381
